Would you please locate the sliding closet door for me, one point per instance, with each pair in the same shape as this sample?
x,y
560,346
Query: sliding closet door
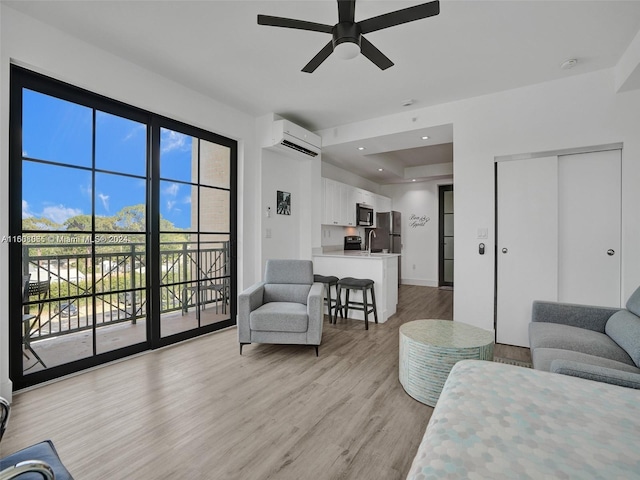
x,y
559,233
527,243
589,228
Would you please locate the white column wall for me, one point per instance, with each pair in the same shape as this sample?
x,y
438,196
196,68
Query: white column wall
x,y
577,111
35,45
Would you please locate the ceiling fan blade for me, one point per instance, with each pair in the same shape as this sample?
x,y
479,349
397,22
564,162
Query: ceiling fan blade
x,y
292,23
346,10
319,58
400,16
373,54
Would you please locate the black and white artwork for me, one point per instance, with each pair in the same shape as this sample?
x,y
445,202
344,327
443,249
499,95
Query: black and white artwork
x,y
284,203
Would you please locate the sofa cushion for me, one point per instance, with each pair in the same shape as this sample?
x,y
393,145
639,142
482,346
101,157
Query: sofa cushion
x,y
286,292
280,317
542,358
624,328
564,337
633,304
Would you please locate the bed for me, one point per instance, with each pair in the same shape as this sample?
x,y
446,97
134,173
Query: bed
x,y
502,421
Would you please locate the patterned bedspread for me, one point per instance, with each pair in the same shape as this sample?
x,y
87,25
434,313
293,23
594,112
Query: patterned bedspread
x,y
496,421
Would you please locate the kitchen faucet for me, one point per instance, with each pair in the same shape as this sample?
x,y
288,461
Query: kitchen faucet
x,y
369,243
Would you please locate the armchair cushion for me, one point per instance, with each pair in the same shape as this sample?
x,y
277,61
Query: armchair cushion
x,y
43,451
624,328
289,271
286,292
280,317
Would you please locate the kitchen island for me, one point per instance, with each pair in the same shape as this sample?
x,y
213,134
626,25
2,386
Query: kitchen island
x,y
382,268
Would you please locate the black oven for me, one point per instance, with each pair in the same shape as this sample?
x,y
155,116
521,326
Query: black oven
x,y
364,215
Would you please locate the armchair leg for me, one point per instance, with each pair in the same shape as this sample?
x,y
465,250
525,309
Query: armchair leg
x,y
242,345
317,347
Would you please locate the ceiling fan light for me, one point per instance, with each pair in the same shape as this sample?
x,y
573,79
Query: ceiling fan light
x,y
347,50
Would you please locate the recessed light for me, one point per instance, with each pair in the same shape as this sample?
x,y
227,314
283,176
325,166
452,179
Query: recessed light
x,y
413,180
379,169
425,138
361,148
569,64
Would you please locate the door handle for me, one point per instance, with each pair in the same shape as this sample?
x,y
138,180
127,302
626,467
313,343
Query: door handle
x,y
504,250
611,252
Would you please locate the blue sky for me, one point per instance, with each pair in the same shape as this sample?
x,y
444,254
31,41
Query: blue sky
x,y
61,131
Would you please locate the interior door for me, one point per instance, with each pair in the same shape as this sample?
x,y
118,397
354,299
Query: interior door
x,y
527,243
589,228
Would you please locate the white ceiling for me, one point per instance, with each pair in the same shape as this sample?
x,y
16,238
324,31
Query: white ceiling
x,y
472,48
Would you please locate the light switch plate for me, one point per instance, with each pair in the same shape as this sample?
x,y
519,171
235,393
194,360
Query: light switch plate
x,y
267,233
483,233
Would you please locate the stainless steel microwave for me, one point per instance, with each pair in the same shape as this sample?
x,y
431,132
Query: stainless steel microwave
x,y
364,215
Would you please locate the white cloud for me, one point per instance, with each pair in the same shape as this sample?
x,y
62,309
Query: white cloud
x,y
170,204
170,141
105,200
187,199
172,189
86,190
60,213
24,153
26,211
135,131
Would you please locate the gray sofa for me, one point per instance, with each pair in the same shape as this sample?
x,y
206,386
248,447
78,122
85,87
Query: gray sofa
x,y
595,343
287,307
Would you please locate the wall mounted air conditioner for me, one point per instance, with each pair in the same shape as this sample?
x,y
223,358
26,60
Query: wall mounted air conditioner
x,y
294,140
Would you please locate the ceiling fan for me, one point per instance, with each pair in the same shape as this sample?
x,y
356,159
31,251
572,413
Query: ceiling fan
x,y
347,35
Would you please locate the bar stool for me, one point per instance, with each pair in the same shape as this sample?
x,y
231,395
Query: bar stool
x,y
364,285
331,303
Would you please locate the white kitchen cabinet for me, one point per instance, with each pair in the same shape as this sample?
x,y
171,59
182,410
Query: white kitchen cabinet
x,y
329,201
383,204
339,202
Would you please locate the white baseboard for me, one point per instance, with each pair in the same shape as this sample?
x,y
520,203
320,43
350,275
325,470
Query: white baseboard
x,y
418,282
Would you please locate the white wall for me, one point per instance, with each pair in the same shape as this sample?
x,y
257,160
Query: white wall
x,y
295,235
419,260
49,51
577,111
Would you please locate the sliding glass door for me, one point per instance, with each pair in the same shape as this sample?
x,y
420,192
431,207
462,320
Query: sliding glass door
x,y
122,227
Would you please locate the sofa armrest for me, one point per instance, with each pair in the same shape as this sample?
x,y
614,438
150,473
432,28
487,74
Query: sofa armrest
x,y
315,310
596,373
248,301
582,316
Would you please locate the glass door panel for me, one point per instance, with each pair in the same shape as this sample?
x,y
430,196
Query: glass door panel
x,y
111,202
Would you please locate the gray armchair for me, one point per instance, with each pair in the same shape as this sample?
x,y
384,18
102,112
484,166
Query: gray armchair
x,y
285,308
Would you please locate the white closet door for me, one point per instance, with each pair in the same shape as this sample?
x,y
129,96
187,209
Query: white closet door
x,y
527,243
589,228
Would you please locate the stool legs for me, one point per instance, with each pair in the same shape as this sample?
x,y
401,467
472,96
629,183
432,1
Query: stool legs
x,y
366,307
373,300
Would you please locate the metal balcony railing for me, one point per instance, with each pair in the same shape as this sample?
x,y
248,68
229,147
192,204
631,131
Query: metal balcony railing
x,y
109,287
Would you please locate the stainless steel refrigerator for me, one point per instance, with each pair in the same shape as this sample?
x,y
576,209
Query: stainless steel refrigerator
x,y
387,232
387,235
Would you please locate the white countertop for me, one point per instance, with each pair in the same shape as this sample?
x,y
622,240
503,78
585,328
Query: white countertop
x,y
357,254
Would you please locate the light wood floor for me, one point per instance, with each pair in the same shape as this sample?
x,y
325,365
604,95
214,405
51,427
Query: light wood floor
x,y
199,410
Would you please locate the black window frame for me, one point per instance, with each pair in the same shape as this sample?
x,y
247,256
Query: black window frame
x,y
21,78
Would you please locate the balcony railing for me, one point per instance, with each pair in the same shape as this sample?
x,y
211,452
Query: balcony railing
x,y
108,287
